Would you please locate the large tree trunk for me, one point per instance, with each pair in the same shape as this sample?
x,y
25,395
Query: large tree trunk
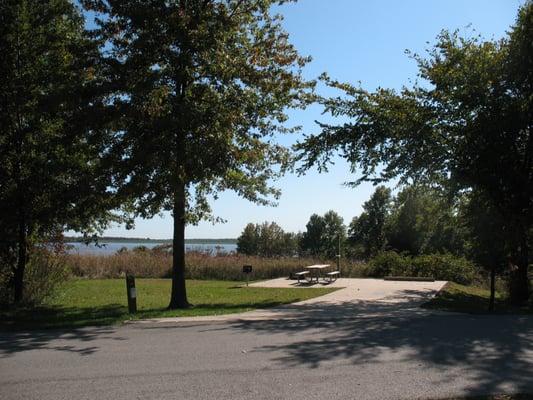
x,y
178,296
18,278
22,239
519,281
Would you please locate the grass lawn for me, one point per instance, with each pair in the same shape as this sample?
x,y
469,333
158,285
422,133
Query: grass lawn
x,y
471,299
103,301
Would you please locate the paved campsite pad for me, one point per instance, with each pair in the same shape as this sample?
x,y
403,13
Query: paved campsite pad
x,y
352,295
365,289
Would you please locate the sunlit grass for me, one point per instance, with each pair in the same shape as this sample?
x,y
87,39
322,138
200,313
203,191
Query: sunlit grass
x,y
103,301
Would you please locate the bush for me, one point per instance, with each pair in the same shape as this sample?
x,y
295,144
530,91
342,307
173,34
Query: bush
x,y
44,272
439,266
388,263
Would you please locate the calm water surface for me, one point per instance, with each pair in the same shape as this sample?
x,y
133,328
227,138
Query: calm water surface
x,y
111,248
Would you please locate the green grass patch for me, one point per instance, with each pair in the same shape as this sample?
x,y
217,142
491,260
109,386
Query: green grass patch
x,y
103,302
471,299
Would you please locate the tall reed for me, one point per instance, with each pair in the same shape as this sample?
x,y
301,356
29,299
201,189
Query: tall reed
x,y
199,265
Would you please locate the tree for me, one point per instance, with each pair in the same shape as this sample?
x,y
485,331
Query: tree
x,y
422,221
274,242
248,241
290,243
266,240
334,234
50,147
311,240
201,88
466,127
322,235
368,229
405,232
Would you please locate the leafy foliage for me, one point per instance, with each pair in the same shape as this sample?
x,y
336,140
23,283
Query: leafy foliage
x,y
487,240
46,271
439,266
368,229
248,241
466,127
422,221
418,220
267,240
50,146
323,234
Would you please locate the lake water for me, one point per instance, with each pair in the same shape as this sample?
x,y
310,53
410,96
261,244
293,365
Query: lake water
x,y
111,248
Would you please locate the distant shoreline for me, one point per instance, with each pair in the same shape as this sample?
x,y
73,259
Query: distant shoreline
x,y
109,239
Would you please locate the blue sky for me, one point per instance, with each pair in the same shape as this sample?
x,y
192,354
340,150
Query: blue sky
x,y
354,41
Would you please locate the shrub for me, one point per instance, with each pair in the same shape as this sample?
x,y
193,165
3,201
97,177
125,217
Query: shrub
x,y
388,263
445,267
45,271
439,266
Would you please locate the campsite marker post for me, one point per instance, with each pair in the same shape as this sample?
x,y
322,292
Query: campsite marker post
x,y
339,255
131,292
247,270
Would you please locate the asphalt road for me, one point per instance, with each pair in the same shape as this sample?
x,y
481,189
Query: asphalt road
x,y
371,350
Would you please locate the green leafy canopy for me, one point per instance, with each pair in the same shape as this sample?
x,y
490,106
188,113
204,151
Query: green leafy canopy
x,y
50,175
202,89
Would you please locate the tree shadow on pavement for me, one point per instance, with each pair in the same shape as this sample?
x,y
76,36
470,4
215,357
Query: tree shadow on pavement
x,y
54,317
12,343
19,331
496,349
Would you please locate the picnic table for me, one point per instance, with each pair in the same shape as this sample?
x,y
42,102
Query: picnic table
x,y
317,271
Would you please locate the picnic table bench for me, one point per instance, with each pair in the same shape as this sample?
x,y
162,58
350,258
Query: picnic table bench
x,y
301,275
332,276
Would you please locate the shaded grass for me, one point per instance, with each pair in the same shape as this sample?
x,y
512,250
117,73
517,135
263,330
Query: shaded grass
x,y
471,299
103,302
